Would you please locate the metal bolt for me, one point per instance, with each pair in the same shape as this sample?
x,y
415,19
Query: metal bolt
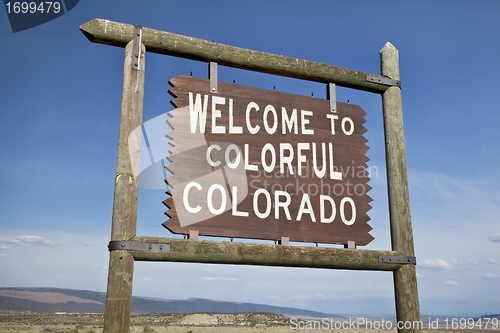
x,y
161,248
150,247
213,89
121,257
390,259
123,245
136,64
138,34
137,56
383,259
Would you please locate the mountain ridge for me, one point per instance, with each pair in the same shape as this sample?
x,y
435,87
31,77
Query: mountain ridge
x,y
49,299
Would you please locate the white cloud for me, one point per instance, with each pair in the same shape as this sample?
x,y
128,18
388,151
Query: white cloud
x,y
495,237
494,262
28,240
437,263
490,276
3,254
466,262
454,277
4,247
211,278
101,268
145,279
451,282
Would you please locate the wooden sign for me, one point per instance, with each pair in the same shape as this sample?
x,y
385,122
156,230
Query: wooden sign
x,y
254,163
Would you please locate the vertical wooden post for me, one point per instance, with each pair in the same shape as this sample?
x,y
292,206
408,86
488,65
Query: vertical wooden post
x,y
121,263
405,278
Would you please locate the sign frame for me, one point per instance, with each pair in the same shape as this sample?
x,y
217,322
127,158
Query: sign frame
x,y
121,264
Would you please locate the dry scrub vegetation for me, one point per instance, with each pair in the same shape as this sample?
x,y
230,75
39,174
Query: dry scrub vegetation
x,y
168,323
152,323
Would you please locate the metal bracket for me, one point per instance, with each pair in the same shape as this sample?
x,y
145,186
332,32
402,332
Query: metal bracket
x,y
383,80
212,75
194,234
350,245
136,49
332,96
138,246
284,241
397,260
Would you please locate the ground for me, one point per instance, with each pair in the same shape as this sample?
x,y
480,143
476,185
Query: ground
x,y
175,323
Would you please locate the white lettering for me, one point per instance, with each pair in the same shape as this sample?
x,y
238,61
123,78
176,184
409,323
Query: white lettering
x,y
196,110
251,129
322,199
233,164
351,123
235,211
304,122
319,173
332,118
286,159
268,167
342,212
270,130
256,203
284,205
233,129
289,122
217,100
209,159
301,158
303,209
210,204
185,197
333,174
249,167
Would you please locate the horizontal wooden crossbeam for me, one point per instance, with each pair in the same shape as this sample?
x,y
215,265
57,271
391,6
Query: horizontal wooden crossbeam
x,y
119,34
235,253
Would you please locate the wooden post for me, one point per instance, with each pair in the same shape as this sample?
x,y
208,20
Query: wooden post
x,y
405,278
121,263
161,42
235,253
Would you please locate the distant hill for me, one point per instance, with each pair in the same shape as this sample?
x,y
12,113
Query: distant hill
x,y
70,300
489,316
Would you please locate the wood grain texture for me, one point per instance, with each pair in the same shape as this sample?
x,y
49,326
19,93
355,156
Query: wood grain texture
x,y
235,253
119,34
121,263
405,279
349,157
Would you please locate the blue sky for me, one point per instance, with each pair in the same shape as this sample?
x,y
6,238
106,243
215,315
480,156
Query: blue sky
x,y
60,106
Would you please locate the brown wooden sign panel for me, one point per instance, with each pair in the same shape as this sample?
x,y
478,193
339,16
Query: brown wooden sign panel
x,y
254,163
